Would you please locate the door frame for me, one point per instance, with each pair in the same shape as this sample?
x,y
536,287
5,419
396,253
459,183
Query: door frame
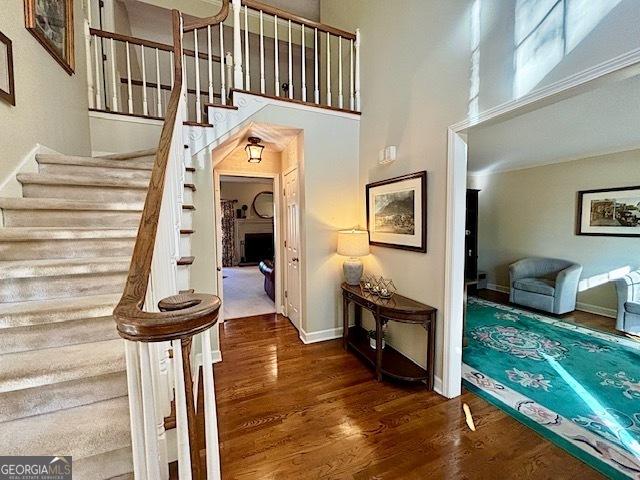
x,y
618,68
277,193
285,276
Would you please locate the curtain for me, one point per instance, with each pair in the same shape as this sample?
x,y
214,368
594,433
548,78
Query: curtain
x,y
228,229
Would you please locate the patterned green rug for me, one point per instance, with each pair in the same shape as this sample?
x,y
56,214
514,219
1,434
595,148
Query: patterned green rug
x,y
577,387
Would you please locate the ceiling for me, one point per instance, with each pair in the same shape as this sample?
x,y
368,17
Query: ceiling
x,y
600,121
275,138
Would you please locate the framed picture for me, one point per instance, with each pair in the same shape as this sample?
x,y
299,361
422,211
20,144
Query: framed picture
x,y
51,22
397,212
7,87
613,212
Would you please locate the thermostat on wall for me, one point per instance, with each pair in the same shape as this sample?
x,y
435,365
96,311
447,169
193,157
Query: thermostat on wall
x,y
387,155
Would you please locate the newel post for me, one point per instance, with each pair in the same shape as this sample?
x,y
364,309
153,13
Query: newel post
x,y
237,46
357,74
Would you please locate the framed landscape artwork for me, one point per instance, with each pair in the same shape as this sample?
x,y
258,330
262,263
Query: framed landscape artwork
x,y
612,212
51,22
397,212
7,87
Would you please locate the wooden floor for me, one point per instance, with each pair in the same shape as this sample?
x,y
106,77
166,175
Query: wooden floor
x,y
292,411
584,319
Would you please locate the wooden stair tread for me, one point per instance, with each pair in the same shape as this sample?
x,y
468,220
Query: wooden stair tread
x,y
188,207
190,123
219,105
186,231
191,186
186,260
190,169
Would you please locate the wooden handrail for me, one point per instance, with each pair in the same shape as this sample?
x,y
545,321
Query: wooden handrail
x,y
149,43
283,14
220,17
199,311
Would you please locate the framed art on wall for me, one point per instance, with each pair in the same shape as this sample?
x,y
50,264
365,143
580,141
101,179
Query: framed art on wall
x,y
397,212
613,212
7,84
51,23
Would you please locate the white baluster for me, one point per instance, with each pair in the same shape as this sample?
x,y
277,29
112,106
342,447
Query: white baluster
x,y
129,90
97,60
351,99
197,64
210,414
223,75
304,67
357,80
290,65
340,96
247,76
229,62
316,72
185,82
145,105
210,63
182,426
158,85
172,70
262,83
149,412
328,69
277,56
91,91
134,388
237,47
114,94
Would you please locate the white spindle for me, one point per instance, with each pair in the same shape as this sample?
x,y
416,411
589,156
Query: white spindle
x,y
98,62
182,426
114,93
91,91
145,105
129,89
210,415
351,99
277,55
149,412
357,80
210,63
197,73
290,65
247,76
340,96
262,82
229,62
172,68
237,46
158,85
185,82
316,72
134,389
328,69
223,75
303,59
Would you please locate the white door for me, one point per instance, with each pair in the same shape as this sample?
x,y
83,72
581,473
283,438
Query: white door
x,y
217,221
292,247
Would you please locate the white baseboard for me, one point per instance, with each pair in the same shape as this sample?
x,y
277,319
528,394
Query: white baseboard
x,y
437,385
583,307
320,336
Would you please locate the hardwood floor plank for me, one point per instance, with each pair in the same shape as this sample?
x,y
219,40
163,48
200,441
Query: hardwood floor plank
x,y
292,411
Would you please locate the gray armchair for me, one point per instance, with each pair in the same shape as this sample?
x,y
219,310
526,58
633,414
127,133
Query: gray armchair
x,y
548,284
628,288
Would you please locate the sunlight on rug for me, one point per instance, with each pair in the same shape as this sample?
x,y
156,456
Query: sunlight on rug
x,y
577,387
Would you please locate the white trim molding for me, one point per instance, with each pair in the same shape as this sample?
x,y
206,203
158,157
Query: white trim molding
x,y
320,336
116,117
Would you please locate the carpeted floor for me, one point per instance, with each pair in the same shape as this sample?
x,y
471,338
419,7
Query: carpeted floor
x,y
577,387
244,294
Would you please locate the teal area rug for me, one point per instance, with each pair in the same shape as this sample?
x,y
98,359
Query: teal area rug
x,y
577,387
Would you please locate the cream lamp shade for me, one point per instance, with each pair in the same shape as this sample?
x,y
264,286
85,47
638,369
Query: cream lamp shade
x,y
353,243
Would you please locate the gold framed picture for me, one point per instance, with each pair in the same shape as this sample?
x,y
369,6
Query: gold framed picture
x,y
7,87
51,23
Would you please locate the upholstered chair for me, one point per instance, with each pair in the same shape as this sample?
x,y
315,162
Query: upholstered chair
x,y
628,288
547,284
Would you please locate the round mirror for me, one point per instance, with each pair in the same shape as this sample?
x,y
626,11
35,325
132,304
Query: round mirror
x,y
263,204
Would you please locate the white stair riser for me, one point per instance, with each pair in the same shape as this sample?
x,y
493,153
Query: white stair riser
x,y
188,177
84,193
73,332
185,245
188,196
70,218
68,248
49,398
38,288
184,281
187,219
62,169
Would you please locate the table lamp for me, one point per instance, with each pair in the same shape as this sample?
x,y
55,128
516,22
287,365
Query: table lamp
x,y
353,244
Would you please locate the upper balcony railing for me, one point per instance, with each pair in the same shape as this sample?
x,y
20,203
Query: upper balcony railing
x,y
259,49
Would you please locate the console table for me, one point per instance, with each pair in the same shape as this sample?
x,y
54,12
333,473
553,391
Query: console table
x,y
388,361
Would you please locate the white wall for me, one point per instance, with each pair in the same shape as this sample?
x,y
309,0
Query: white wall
x,y
120,134
417,79
532,212
244,192
51,106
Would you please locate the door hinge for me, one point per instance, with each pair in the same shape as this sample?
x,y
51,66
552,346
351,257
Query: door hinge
x,y
286,294
285,244
284,193
104,57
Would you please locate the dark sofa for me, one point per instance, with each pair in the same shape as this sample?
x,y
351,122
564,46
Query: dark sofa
x,y
269,271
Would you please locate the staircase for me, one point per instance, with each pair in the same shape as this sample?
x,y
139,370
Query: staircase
x,y
65,250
